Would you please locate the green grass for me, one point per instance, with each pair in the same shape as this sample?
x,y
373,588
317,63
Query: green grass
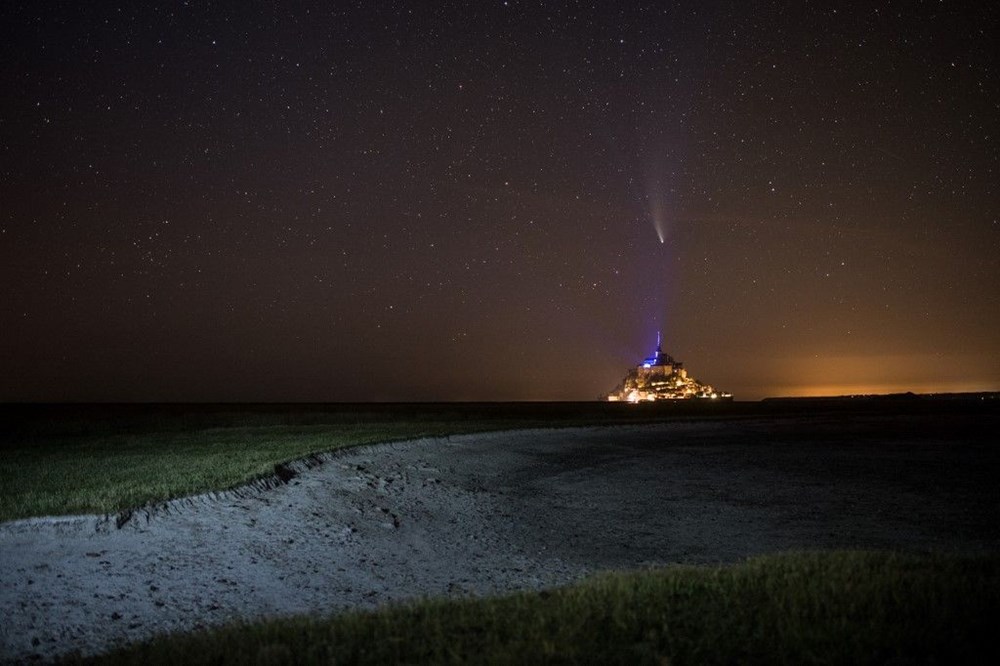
x,y
106,472
70,459
802,608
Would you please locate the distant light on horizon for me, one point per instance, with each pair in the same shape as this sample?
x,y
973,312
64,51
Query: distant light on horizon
x,y
774,375
838,390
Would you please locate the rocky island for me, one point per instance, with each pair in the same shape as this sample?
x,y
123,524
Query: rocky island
x,y
660,377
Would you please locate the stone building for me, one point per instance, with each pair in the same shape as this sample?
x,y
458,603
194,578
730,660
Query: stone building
x,y
660,377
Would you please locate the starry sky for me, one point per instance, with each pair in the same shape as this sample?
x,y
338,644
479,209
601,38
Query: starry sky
x,y
360,201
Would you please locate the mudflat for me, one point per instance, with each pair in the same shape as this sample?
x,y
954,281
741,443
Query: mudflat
x,y
486,514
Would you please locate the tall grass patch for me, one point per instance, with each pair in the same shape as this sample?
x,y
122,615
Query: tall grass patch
x,y
798,608
116,471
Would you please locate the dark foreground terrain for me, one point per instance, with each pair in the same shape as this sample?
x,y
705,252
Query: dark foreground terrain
x,y
488,513
38,421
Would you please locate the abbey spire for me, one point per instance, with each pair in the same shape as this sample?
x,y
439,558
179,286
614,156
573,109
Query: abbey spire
x,y
660,377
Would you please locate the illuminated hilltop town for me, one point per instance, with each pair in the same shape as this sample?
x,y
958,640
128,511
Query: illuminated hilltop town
x,y
660,377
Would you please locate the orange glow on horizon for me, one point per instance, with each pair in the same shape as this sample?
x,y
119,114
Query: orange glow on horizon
x,y
835,390
819,376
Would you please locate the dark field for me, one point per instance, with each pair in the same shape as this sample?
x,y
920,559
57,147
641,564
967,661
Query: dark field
x,y
498,512
71,459
19,422
806,608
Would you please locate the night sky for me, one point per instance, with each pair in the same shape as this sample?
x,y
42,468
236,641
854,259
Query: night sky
x,y
465,201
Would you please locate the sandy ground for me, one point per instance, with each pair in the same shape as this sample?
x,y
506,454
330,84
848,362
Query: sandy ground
x,y
493,513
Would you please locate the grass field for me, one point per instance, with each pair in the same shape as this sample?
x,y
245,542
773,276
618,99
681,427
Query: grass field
x,y
832,607
105,473
66,459
829,608
73,459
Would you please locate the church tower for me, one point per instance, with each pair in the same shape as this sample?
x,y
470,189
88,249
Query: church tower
x,y
660,377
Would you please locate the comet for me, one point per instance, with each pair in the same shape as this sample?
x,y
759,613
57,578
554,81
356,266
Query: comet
x,y
659,223
656,201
